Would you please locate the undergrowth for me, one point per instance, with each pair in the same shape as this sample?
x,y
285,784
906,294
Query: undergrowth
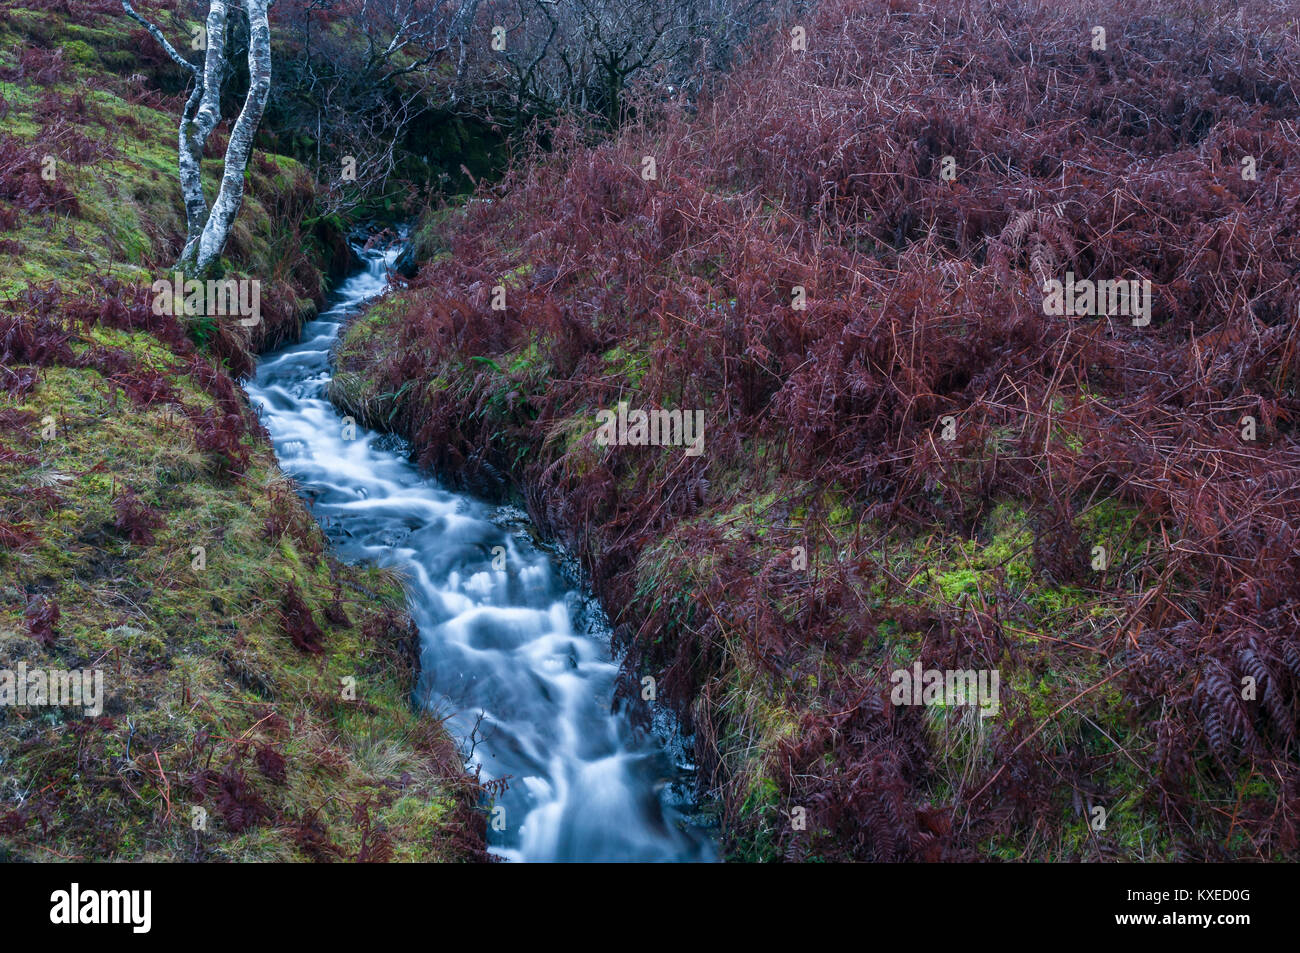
x,y
831,532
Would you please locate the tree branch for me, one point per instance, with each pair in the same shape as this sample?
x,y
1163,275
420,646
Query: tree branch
x,y
157,34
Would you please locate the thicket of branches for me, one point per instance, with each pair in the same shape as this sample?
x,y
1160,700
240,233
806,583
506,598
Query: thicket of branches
x,y
358,80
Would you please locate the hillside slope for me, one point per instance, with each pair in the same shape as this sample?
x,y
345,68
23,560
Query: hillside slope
x,y
257,692
843,260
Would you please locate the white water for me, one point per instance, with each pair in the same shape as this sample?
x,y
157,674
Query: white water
x,y
509,644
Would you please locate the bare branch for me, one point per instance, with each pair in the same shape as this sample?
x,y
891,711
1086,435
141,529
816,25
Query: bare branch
x,y
157,34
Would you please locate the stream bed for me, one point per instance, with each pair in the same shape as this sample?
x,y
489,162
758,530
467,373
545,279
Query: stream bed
x,y
514,654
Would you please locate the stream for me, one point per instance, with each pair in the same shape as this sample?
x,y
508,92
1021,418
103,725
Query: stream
x,y
514,654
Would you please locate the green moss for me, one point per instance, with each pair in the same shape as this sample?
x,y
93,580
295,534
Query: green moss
x,y
199,672
957,583
80,52
628,362
428,242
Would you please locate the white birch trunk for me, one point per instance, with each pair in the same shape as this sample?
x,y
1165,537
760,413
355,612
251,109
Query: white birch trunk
x,y
206,231
198,125
231,194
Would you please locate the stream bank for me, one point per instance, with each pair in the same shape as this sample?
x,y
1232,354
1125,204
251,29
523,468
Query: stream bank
x,y
515,658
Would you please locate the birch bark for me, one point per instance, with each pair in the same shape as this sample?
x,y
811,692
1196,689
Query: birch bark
x,y
206,230
240,148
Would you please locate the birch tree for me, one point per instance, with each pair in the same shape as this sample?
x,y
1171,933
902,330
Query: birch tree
x,y
206,229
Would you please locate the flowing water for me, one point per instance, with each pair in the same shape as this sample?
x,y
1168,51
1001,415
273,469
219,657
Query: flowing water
x,y
518,659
